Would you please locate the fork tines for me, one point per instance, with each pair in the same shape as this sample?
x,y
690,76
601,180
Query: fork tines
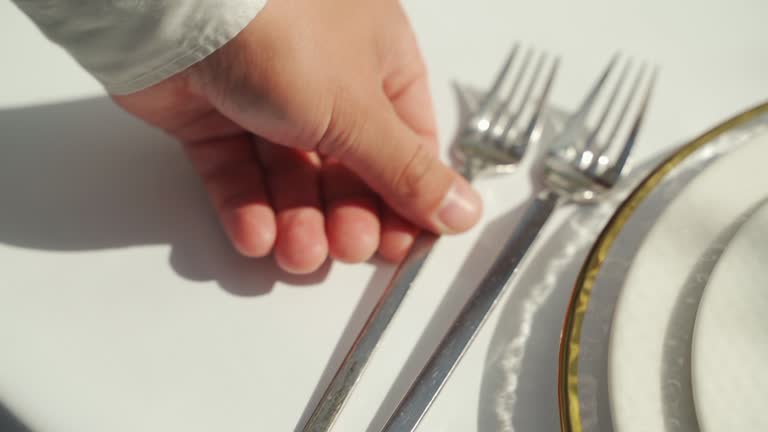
x,y
598,154
502,112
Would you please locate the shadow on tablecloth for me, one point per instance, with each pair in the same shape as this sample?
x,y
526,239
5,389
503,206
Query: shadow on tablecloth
x,y
84,175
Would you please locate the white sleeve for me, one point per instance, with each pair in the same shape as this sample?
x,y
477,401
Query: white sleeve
x,y
131,44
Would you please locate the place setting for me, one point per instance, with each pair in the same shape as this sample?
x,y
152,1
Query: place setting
x,y
616,282
630,355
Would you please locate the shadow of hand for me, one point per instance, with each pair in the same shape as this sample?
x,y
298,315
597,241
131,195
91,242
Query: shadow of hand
x,y
84,175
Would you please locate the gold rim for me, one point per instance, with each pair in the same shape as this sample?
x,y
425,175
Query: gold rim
x,y
568,401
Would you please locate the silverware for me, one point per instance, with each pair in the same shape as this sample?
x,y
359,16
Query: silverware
x,y
493,140
578,169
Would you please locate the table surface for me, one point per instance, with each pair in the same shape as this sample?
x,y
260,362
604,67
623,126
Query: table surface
x,y
122,307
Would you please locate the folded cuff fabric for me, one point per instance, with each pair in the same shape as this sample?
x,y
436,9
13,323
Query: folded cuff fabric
x,y
129,45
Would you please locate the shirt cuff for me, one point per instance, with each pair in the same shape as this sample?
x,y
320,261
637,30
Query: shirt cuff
x,y
131,45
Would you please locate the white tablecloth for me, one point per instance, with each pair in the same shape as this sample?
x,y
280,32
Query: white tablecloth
x,y
122,308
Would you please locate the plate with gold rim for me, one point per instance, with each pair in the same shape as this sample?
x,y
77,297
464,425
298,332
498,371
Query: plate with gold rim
x,y
625,345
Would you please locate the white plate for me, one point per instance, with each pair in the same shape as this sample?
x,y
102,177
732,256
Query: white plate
x,y
645,322
730,340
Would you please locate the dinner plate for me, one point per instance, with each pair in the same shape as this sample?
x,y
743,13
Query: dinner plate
x,y
662,284
730,339
628,326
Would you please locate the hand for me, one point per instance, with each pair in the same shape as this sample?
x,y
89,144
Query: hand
x,y
313,132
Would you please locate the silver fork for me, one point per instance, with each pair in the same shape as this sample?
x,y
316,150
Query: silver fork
x,y
492,140
578,169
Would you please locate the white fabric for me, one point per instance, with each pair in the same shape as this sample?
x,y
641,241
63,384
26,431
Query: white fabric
x,y
131,44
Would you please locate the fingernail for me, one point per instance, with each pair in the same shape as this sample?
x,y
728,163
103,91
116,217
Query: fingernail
x,y
460,208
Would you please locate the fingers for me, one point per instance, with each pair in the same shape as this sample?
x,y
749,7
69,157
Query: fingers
x,y
293,177
352,220
235,184
293,224
372,140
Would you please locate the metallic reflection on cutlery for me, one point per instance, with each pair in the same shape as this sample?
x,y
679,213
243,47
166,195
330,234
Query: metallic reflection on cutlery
x,y
493,140
578,169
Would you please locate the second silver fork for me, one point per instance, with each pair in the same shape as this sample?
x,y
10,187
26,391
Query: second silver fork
x,y
494,139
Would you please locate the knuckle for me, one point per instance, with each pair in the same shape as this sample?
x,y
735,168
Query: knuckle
x,y
231,185
409,182
236,198
211,155
341,136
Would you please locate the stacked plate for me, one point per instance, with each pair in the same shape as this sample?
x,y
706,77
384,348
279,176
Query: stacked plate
x,y
667,329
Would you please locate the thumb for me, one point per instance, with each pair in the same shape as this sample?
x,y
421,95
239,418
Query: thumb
x,y
372,141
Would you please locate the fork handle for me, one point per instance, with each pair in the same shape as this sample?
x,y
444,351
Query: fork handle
x,y
337,392
433,376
